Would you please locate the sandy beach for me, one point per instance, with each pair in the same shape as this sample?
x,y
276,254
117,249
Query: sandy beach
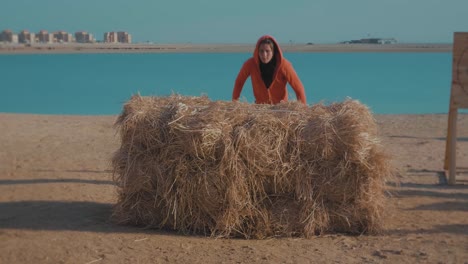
x,y
39,48
56,197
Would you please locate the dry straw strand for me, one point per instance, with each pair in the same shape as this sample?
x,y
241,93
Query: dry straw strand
x,y
233,169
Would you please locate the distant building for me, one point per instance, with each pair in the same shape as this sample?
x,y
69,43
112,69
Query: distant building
x,y
124,37
387,41
8,36
110,37
84,37
62,36
378,41
26,37
372,41
117,37
369,41
44,37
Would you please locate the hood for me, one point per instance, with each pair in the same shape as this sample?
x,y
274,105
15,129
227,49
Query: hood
x,y
278,53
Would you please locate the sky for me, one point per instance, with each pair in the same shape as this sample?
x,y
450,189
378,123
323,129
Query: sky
x,y
243,21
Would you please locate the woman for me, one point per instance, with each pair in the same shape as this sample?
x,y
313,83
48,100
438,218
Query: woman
x,y
269,72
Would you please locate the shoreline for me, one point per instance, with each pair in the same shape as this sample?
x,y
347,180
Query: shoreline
x,y
66,48
377,115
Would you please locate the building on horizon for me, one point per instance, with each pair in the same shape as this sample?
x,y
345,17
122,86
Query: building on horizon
x,y
26,37
8,36
110,37
62,37
117,37
387,41
44,37
371,41
378,41
84,37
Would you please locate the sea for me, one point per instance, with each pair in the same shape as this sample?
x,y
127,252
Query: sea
x,y
100,84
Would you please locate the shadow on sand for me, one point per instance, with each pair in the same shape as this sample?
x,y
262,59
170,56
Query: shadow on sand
x,y
65,216
42,181
457,229
444,206
460,139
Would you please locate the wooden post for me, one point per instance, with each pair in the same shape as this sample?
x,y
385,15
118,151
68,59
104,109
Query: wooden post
x,y
450,165
458,99
448,139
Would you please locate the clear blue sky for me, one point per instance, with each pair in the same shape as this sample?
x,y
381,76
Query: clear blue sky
x,y
243,21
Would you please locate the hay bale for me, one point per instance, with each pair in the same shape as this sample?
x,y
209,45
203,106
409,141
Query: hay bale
x,y
240,170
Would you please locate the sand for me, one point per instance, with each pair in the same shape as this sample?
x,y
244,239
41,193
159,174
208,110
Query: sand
x,y
56,196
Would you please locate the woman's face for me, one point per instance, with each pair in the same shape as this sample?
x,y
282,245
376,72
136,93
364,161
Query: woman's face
x,y
265,52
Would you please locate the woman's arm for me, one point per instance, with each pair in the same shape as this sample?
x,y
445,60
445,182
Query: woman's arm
x,y
242,76
295,82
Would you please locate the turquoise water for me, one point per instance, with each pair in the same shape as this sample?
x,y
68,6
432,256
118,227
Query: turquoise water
x,y
94,84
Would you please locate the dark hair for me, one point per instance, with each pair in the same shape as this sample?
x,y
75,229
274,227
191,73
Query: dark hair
x,y
270,42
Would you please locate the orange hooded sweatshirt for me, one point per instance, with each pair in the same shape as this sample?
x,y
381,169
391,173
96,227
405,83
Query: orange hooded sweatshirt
x,y
284,73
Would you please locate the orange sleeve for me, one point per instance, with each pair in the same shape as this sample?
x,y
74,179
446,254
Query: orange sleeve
x,y
242,76
295,83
